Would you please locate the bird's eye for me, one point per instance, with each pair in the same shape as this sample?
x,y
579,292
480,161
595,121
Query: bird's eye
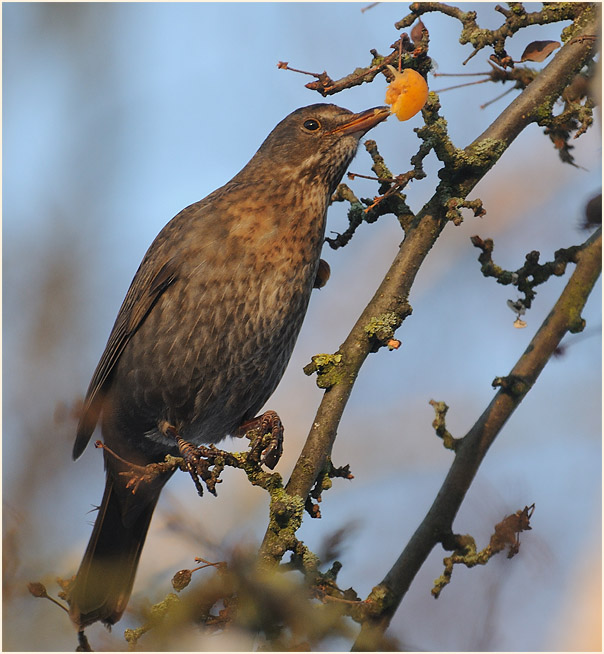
x,y
312,125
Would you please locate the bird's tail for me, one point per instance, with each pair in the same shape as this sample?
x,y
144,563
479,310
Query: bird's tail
x,y
104,580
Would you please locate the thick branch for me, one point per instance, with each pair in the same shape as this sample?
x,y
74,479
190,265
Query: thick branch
x,y
393,291
391,297
437,525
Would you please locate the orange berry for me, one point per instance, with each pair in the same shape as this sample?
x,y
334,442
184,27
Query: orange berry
x,y
407,93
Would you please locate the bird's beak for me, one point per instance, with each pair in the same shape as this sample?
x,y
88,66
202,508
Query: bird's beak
x,y
362,122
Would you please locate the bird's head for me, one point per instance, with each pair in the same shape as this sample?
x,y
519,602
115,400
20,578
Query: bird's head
x,y
313,143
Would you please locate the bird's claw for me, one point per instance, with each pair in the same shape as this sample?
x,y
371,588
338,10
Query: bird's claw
x,y
267,445
271,454
197,461
194,464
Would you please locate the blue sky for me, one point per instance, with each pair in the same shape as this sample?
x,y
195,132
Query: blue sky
x,y
115,117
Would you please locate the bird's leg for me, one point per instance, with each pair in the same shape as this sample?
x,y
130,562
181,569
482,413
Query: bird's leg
x,y
268,423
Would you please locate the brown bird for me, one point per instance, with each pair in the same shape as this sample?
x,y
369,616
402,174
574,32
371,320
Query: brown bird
x,y
206,330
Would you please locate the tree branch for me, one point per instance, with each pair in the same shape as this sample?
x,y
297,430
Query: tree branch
x,y
471,450
463,169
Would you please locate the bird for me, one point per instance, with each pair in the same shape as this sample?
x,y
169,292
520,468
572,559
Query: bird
x,y
206,331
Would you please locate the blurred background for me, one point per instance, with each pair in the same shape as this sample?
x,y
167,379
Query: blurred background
x,y
116,116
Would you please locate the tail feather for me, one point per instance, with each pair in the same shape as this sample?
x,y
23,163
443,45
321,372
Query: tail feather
x,y
104,580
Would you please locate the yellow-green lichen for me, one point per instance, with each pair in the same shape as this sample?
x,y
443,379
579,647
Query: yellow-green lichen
x,y
484,153
328,368
382,327
285,512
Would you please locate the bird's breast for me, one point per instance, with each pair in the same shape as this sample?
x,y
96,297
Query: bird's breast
x,y
216,343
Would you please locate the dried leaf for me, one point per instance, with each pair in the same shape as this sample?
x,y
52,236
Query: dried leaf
x,y
577,89
181,579
323,274
417,31
507,531
593,211
37,589
539,50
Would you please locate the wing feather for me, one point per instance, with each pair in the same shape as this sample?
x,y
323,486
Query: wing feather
x,y
146,288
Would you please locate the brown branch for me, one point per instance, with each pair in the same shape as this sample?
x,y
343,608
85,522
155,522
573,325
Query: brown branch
x,y
506,535
327,86
470,451
390,299
515,20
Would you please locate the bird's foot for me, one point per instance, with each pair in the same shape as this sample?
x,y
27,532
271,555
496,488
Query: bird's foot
x,y
267,442
199,461
133,473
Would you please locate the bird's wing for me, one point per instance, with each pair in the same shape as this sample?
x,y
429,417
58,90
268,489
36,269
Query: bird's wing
x,y
147,286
